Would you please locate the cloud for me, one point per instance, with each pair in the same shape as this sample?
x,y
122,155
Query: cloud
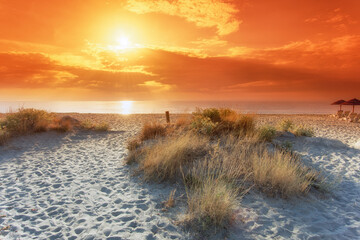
x,y
334,54
174,73
204,13
336,18
154,85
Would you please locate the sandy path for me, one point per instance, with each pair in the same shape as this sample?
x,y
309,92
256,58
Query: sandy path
x,y
75,186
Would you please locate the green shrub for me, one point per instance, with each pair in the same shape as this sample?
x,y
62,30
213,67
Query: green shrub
x,y
212,113
267,133
203,125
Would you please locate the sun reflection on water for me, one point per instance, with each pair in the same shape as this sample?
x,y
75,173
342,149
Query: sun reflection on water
x,y
126,107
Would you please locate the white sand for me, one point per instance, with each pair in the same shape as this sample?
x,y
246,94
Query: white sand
x,y
75,185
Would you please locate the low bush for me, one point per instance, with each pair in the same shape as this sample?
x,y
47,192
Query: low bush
x,y
27,120
266,133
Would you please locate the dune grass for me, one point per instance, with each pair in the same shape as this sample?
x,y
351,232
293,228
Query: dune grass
x,y
281,173
220,155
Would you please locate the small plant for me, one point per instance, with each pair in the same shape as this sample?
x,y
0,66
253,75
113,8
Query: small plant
x,y
152,130
304,131
267,133
170,202
286,125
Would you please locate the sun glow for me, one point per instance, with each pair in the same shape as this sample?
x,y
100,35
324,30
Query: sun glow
x,y
123,42
125,107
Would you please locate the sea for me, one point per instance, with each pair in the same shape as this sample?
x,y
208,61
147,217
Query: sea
x,y
147,107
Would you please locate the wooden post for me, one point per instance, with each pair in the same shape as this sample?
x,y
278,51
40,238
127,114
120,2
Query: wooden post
x,y
167,114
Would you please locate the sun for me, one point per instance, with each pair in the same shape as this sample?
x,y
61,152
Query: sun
x,y
123,42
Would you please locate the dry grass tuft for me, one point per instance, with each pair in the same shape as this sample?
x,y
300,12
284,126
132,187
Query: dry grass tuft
x,y
286,125
170,202
304,131
164,160
89,125
152,130
211,204
102,127
281,173
133,144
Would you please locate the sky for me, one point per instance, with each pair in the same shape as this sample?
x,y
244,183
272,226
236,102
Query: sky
x,y
246,50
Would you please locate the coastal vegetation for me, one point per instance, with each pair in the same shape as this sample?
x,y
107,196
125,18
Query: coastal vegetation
x,y
219,155
29,120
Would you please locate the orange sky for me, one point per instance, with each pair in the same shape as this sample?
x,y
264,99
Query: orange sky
x,y
179,50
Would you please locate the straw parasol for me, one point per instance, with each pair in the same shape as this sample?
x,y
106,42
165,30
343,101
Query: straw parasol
x,y
352,102
340,102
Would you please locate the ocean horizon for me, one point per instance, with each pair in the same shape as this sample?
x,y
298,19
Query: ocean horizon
x,y
148,107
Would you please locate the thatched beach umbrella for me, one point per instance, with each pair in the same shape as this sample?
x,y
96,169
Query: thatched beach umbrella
x,y
352,102
340,102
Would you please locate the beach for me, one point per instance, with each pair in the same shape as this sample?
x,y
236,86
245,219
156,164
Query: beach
x,y
76,185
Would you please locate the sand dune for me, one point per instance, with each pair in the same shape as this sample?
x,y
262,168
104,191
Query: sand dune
x,y
76,186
